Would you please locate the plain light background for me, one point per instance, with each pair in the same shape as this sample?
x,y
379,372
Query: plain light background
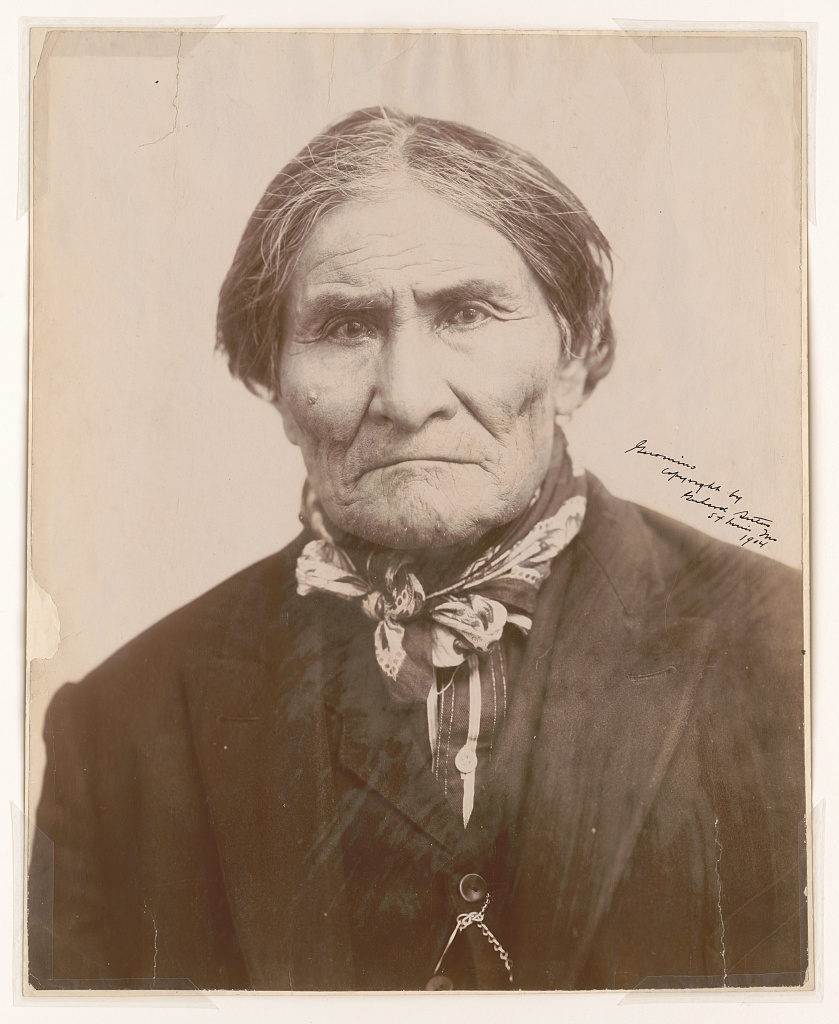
x,y
823,264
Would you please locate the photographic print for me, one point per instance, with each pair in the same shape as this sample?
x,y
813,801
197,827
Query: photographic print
x,y
418,511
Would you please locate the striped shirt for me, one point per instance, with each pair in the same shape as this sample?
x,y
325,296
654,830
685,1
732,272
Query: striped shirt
x,y
466,711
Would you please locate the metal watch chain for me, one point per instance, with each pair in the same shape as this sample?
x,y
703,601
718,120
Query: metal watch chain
x,y
476,917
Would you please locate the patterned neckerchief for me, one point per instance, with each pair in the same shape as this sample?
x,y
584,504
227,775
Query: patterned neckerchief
x,y
418,632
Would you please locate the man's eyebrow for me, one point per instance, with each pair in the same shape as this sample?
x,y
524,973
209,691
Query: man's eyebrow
x,y
470,289
328,303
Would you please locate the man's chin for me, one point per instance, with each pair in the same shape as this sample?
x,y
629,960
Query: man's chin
x,y
412,535
408,529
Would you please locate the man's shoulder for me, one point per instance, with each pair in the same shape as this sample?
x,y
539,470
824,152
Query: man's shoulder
x,y
234,620
699,575
672,580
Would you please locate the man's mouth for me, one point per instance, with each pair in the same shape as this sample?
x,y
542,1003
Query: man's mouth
x,y
403,459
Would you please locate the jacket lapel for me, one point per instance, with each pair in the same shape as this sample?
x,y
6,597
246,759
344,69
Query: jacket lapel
x,y
385,744
617,681
261,743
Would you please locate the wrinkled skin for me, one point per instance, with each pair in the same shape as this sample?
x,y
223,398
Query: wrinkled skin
x,y
421,371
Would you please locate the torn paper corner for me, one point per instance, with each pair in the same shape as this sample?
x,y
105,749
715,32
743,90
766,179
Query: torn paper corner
x,y
43,627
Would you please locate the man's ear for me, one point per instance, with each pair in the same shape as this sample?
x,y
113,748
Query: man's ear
x,y
292,431
569,386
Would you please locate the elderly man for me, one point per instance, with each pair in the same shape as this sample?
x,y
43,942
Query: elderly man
x,y
481,725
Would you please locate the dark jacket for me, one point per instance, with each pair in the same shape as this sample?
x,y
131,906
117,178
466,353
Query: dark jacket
x,y
230,803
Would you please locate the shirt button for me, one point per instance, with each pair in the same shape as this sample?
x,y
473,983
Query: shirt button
x,y
439,983
473,888
466,760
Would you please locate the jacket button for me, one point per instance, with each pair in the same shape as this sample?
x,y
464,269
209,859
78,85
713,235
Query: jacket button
x,y
473,888
439,983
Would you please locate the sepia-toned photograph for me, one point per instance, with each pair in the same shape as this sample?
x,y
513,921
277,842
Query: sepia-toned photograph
x,y
418,575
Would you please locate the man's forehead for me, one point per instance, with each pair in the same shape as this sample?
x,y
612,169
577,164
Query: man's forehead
x,y
417,242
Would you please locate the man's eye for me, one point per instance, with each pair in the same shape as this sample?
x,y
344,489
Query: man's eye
x,y
468,316
349,329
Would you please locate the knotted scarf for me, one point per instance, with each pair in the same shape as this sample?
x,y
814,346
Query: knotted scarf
x,y
421,628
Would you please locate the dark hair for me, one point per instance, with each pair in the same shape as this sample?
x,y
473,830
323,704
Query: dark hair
x,y
355,159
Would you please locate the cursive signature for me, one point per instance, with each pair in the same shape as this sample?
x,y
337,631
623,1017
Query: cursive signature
x,y
752,529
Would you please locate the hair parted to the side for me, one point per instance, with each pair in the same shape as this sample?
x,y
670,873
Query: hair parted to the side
x,y
356,159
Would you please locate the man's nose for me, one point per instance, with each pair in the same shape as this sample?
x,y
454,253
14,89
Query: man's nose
x,y
411,386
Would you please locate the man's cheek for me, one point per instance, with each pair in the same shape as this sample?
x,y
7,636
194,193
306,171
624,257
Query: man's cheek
x,y
516,395
323,415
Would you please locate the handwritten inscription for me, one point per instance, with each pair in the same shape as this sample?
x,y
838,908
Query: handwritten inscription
x,y
722,505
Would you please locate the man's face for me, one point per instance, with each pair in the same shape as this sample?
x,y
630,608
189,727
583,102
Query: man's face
x,y
420,371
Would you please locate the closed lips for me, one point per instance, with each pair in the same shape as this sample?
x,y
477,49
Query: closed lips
x,y
419,458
